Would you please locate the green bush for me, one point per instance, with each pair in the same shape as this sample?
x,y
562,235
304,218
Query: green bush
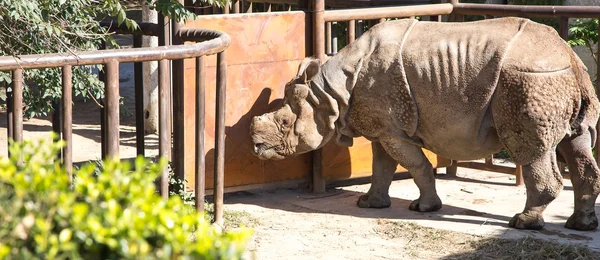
x,y
114,215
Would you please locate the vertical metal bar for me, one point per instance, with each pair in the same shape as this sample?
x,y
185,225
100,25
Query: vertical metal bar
x,y
236,6
112,109
139,100
598,88
164,103
266,7
17,88
248,6
67,122
179,104
226,8
359,28
489,160
351,31
164,135
452,169
220,136
200,128
334,38
319,51
9,115
328,37
564,28
102,77
56,125
519,175
382,20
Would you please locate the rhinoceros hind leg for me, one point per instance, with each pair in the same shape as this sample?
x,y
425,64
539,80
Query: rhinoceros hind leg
x,y
543,183
384,167
585,177
413,159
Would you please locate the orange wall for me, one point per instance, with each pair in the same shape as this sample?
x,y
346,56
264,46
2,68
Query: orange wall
x,y
264,54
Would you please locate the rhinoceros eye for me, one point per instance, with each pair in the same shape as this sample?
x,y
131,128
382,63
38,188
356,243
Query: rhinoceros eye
x,y
285,122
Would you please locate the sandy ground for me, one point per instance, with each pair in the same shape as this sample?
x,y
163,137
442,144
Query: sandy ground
x,y
298,225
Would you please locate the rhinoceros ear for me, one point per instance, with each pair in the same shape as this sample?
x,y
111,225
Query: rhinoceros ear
x,y
308,69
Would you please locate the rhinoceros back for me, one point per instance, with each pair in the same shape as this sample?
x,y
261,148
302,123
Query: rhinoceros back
x,y
453,70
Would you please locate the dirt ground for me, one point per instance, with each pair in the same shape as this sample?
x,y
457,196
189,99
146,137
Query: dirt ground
x,y
291,224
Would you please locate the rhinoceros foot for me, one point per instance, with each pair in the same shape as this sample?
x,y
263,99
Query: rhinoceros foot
x,y
373,201
531,220
583,221
426,205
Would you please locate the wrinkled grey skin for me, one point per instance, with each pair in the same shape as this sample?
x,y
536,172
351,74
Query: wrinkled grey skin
x,y
463,91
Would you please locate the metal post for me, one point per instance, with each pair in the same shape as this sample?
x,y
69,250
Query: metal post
x,y
220,137
334,38
598,88
267,7
112,109
328,48
102,77
179,105
17,87
236,6
564,28
164,103
519,175
351,31
67,121
319,52
164,135
56,125
9,114
139,100
200,130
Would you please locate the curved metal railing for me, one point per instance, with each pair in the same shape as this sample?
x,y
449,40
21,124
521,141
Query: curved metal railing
x,y
207,42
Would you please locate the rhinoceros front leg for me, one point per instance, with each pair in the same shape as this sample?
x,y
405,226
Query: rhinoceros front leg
x,y
585,177
414,160
543,183
384,167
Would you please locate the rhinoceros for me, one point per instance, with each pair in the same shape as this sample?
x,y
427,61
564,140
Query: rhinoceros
x,y
461,90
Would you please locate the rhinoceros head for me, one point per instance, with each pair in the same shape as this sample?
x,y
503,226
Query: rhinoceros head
x,y
305,121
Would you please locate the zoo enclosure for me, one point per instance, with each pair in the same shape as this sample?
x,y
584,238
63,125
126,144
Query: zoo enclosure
x,y
324,40
311,29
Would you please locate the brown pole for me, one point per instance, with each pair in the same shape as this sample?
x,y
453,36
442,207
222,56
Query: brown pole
x,y
598,89
319,51
179,165
200,129
67,120
220,137
139,100
164,104
9,115
226,8
328,48
102,77
164,135
564,28
351,31
17,87
236,6
519,175
112,109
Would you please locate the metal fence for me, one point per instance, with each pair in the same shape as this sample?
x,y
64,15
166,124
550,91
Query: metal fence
x,y
207,43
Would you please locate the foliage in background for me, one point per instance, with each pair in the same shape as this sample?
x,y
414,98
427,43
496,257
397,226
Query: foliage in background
x,y
115,215
65,26
584,32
